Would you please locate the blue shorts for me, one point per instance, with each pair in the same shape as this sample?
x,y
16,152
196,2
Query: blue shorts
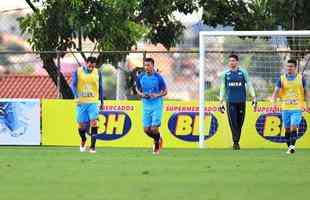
x,y
87,112
291,118
152,117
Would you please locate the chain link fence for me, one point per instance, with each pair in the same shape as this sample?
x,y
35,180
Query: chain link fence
x,y
22,74
120,69
264,58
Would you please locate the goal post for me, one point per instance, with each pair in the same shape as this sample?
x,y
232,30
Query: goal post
x,y
268,49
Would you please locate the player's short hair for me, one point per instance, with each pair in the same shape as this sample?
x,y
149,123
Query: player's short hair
x,y
234,56
292,61
91,59
151,60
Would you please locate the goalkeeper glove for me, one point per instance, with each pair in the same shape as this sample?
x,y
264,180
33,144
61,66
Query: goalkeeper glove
x,y
254,103
222,107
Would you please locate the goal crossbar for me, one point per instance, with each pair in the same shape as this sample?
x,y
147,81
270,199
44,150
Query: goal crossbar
x,y
255,33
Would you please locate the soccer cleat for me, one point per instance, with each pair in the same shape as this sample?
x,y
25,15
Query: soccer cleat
x,y
156,152
92,150
236,146
291,149
83,146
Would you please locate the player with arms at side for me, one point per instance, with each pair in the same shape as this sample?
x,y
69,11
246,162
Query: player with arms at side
x,y
88,90
291,89
234,82
151,87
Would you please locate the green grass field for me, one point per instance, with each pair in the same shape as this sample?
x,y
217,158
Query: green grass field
x,y
50,173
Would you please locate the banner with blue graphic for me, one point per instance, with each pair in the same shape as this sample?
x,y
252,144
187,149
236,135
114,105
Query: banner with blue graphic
x,y
19,122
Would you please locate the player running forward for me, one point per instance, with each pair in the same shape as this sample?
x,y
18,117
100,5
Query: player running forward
x,y
291,88
88,90
233,89
151,87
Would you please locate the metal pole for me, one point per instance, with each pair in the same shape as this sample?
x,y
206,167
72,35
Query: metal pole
x,y
58,76
143,59
201,91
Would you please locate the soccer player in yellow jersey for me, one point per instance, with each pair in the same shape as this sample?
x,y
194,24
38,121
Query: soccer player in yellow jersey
x,y
291,89
88,90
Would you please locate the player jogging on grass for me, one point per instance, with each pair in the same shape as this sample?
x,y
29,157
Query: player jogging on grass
x,y
233,89
291,88
151,87
88,90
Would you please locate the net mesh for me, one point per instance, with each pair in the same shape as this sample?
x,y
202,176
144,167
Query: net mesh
x,y
263,57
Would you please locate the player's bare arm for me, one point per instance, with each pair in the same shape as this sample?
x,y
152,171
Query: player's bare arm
x,y
275,95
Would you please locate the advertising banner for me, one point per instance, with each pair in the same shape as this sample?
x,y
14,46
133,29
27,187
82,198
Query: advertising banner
x,y
19,122
120,125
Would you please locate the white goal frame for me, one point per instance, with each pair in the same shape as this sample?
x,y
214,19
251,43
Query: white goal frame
x,y
202,52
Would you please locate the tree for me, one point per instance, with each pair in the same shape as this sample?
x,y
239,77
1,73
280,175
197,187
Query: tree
x,y
236,13
259,15
262,15
111,24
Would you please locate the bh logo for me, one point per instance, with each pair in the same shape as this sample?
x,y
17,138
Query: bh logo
x,y
269,126
113,125
185,126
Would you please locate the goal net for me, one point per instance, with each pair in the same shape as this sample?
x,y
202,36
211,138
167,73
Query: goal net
x,y
262,53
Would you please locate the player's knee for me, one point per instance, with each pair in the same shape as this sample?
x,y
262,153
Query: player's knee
x,y
154,129
147,130
293,128
94,123
82,130
82,126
